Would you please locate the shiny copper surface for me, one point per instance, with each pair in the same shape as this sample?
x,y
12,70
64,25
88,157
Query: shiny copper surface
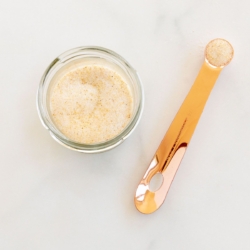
x,y
174,144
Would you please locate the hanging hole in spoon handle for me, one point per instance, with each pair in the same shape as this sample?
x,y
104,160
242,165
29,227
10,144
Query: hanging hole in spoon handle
x,y
156,182
168,156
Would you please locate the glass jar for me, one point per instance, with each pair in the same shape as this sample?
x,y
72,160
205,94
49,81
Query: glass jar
x,y
72,59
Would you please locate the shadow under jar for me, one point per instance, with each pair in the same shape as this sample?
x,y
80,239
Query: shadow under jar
x,y
90,99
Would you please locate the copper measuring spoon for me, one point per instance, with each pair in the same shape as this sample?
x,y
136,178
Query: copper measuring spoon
x,y
218,53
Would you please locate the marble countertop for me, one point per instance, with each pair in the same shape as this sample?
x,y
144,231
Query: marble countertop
x,y
54,198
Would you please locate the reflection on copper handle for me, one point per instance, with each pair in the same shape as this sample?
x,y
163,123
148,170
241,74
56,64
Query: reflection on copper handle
x,y
174,144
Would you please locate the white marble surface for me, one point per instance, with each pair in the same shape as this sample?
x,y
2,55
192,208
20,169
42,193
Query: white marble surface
x,y
54,198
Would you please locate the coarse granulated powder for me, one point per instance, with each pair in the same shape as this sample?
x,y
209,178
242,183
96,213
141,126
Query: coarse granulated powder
x,y
91,104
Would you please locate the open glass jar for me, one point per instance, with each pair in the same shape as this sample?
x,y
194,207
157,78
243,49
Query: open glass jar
x,y
71,60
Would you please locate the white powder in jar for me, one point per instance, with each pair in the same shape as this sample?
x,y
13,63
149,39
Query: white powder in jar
x,y
91,104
